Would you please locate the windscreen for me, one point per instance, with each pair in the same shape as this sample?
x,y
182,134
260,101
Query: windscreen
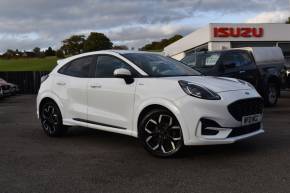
x,y
160,66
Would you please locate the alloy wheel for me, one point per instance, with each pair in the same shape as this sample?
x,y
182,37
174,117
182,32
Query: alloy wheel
x,y
272,95
49,118
162,134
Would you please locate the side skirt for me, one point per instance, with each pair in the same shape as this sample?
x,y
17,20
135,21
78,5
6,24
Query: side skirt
x,y
96,123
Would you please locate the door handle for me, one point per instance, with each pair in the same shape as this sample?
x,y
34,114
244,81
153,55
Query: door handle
x,y
96,86
242,71
61,83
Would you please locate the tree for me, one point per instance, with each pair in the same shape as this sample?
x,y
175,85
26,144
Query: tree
x,y
37,51
120,47
159,46
288,22
59,53
49,52
73,45
97,41
9,54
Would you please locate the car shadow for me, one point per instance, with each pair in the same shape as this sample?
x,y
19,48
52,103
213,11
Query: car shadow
x,y
250,146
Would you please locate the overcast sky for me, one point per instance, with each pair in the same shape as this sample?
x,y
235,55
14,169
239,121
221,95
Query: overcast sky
x,y
25,24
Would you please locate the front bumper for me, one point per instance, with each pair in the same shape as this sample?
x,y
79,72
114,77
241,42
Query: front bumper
x,y
193,111
5,93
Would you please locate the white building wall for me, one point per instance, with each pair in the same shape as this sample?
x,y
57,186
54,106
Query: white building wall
x,y
218,46
179,56
196,38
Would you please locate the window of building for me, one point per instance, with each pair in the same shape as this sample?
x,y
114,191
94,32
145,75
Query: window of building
x,y
252,44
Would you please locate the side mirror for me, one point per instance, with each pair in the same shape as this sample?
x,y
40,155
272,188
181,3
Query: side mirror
x,y
125,74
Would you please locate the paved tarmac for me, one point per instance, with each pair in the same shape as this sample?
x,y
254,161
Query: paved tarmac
x,y
94,161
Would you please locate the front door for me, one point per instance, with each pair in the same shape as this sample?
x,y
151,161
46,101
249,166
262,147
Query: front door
x,y
248,69
110,99
229,65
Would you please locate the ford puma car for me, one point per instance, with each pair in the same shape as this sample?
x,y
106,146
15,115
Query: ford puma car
x,y
159,100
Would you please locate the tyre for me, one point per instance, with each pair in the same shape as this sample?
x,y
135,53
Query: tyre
x,y
271,95
51,120
160,133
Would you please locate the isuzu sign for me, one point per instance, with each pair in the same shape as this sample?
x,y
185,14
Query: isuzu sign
x,y
237,32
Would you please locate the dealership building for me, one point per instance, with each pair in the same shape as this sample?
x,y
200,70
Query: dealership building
x,y
219,36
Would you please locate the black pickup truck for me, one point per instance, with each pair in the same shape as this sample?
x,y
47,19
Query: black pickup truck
x,y
262,67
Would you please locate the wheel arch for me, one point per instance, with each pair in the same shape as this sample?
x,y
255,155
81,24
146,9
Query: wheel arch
x,y
163,104
49,97
46,99
276,80
148,109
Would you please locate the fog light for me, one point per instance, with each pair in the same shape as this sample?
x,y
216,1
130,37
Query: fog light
x,y
207,127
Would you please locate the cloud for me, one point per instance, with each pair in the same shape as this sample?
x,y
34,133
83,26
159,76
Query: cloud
x,y
138,36
126,21
271,17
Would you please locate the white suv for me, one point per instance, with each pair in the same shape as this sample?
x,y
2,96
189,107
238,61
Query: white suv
x,y
162,101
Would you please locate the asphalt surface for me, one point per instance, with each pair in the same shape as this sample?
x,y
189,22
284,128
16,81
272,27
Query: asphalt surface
x,y
93,161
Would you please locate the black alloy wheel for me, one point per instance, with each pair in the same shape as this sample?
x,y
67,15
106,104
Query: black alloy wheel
x,y
51,120
271,97
161,133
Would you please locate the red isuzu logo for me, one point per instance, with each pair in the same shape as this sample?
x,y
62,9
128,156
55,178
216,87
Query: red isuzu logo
x,y
245,32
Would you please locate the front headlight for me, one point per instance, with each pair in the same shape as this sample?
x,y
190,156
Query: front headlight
x,y
288,72
198,91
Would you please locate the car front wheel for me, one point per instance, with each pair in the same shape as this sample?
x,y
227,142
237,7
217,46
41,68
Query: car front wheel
x,y
160,133
51,120
271,97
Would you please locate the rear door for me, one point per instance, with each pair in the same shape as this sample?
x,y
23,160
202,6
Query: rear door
x,y
71,87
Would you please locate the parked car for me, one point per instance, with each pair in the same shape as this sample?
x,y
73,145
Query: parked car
x,y
160,100
261,66
4,90
13,88
287,69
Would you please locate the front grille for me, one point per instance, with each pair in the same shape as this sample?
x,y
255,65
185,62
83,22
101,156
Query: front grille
x,y
246,107
245,130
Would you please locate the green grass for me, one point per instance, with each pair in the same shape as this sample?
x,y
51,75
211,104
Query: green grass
x,y
28,64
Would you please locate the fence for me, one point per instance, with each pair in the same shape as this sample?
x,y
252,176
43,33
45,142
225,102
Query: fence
x,y
28,82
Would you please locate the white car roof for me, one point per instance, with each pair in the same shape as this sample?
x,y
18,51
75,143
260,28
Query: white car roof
x,y
111,52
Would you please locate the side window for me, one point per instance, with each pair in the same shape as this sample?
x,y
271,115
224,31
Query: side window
x,y
244,58
236,59
78,68
106,65
230,60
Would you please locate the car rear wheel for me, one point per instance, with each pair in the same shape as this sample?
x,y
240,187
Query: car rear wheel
x,y
160,133
271,96
51,120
